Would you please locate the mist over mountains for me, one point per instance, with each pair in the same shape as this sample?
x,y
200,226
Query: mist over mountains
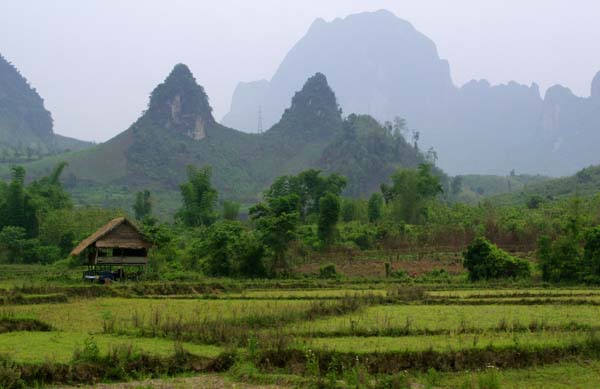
x,y
381,65
178,130
26,126
325,108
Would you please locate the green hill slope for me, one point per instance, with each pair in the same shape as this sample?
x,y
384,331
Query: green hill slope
x,y
584,183
26,127
178,129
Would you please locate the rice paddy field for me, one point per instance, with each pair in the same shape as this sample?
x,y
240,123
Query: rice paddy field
x,y
299,333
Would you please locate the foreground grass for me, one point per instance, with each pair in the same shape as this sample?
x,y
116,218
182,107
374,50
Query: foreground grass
x,y
416,334
451,318
443,343
580,374
38,347
478,293
91,315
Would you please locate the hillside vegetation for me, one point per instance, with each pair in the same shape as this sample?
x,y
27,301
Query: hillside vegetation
x,y
584,183
178,130
26,127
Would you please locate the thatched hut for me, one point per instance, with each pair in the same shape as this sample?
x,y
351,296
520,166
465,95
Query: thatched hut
x,y
120,244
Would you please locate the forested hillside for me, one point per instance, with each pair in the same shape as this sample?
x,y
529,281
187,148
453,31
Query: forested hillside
x,y
26,127
178,129
584,183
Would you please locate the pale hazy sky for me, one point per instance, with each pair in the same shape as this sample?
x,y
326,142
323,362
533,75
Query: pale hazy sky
x,y
95,62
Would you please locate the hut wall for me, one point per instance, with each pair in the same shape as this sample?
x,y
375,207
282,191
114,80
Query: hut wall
x,y
124,236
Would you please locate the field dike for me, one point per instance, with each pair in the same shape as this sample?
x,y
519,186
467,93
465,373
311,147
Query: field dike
x,y
12,324
307,361
24,299
120,364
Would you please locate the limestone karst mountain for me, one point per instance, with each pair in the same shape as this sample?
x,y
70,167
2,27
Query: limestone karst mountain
x,y
178,130
26,126
381,65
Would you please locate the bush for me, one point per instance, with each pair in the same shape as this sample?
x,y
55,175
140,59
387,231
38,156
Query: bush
x,y
90,352
229,250
10,375
560,260
363,235
15,247
328,271
591,254
484,260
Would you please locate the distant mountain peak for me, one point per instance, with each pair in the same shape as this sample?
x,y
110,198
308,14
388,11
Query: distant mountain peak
x,y
316,97
179,104
314,110
596,86
22,110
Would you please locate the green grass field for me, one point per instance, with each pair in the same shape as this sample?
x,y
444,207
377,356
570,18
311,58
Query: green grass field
x,y
551,343
453,318
58,346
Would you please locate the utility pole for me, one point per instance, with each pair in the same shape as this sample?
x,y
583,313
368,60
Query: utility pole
x,y
260,120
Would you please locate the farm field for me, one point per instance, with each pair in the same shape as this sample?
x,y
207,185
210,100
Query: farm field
x,y
290,335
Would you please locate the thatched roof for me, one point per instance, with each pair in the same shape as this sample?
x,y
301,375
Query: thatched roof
x,y
114,240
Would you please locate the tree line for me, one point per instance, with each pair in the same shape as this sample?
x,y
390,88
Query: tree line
x,y
304,213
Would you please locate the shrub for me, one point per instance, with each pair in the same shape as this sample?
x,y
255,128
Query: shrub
x,y
484,261
231,251
534,202
10,375
328,271
363,235
375,207
90,352
591,255
17,248
561,259
329,213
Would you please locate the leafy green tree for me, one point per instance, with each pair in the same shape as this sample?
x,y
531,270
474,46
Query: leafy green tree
x,y
19,208
562,259
12,243
16,247
48,193
329,213
485,261
309,186
367,153
400,127
353,210
457,185
229,250
410,191
535,201
64,228
375,207
143,205
276,222
591,255
220,246
231,210
199,198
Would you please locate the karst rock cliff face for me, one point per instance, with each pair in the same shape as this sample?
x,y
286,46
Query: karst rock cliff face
x,y
379,64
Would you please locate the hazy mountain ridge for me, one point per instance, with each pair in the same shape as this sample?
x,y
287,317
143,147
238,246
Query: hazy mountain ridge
x,y
476,128
26,126
178,130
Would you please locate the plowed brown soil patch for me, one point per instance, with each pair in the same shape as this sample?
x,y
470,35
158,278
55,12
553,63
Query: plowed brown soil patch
x,y
366,268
